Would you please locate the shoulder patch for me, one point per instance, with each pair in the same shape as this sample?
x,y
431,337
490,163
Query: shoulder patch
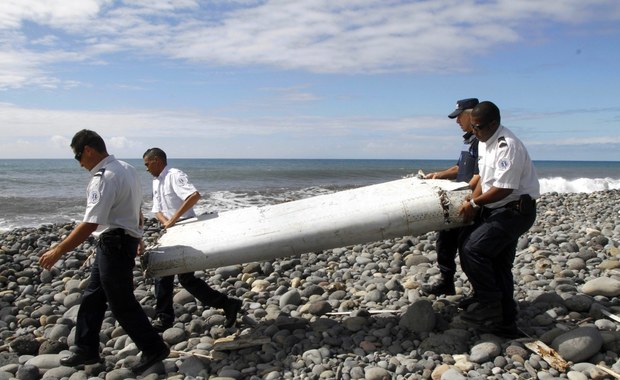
x,y
182,180
502,142
93,197
100,173
503,164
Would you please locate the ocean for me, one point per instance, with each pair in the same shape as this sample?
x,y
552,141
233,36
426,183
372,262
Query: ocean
x,y
37,191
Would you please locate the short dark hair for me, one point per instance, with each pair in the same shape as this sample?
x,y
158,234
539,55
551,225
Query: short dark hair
x,y
90,138
487,112
156,152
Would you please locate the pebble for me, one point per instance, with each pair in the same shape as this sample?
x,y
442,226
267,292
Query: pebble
x,y
602,286
313,316
484,352
579,344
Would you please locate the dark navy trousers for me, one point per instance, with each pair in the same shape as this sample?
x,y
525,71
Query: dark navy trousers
x,y
488,249
446,247
111,283
164,291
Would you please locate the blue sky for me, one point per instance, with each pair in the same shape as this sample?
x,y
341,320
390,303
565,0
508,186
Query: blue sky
x,y
307,78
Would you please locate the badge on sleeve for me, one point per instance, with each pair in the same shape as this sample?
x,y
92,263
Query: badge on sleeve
x,y
93,197
503,164
94,188
182,180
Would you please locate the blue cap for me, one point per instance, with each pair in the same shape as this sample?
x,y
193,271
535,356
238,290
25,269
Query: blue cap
x,y
462,105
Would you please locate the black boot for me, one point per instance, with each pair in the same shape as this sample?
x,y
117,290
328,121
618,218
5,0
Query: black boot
x,y
483,312
80,358
507,330
231,309
444,286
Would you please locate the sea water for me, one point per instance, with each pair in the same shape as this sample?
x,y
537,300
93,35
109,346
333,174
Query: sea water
x,y
36,191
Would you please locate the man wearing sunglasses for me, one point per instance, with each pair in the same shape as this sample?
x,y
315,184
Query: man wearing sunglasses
x,y
502,208
464,170
113,216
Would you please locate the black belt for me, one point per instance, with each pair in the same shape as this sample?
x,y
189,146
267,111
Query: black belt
x,y
512,205
118,233
526,201
114,232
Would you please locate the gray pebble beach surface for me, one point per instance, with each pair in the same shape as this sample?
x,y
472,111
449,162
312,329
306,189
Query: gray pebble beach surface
x,y
349,313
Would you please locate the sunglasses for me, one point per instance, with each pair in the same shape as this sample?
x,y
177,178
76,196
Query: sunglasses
x,y
78,156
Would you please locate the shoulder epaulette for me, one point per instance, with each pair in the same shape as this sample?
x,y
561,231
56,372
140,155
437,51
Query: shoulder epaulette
x,y
100,173
502,142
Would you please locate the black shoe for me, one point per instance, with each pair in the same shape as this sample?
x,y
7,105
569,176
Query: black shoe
x,y
80,358
231,309
484,312
161,325
510,330
467,302
442,286
149,360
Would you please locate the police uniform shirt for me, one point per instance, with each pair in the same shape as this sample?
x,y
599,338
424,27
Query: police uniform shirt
x,y
114,197
468,161
170,189
505,163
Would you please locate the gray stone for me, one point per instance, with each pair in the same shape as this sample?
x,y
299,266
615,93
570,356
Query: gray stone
x,y
484,352
229,271
58,332
602,286
28,372
419,317
291,297
319,308
444,343
579,344
376,373
60,372
193,366
120,374
579,302
575,375
52,347
45,362
25,345
72,300
355,323
452,374
312,356
173,335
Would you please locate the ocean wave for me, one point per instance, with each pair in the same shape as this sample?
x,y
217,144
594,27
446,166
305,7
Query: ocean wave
x,y
579,185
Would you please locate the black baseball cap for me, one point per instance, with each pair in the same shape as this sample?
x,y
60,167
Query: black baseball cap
x,y
462,105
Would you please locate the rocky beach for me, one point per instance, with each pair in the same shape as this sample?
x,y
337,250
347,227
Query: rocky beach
x,y
349,313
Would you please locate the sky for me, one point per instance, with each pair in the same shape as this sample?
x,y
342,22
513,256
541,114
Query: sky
x,y
359,79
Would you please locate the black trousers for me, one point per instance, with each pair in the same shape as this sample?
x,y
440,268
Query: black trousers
x,y
488,249
447,246
164,292
111,283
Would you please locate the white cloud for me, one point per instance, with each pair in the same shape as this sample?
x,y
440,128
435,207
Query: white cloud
x,y
56,13
318,36
60,142
131,132
120,143
582,141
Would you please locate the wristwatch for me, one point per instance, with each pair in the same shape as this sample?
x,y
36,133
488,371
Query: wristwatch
x,y
473,204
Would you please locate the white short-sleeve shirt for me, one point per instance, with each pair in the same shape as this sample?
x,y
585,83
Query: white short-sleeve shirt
x,y
114,197
170,189
505,163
